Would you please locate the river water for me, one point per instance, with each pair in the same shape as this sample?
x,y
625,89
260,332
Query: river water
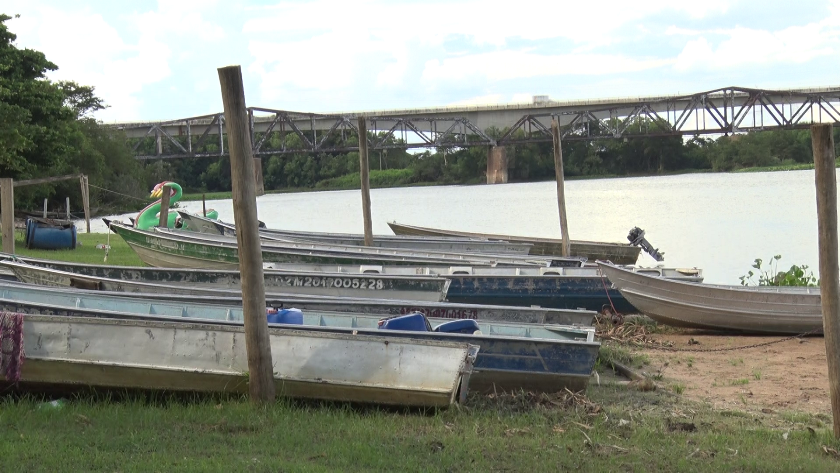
x,y
718,222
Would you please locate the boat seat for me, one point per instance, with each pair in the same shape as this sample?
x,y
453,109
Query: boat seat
x,y
285,316
468,326
415,322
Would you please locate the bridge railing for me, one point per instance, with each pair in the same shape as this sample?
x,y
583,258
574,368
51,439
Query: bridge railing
x,y
726,110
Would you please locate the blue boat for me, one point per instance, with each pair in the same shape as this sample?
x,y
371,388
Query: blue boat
x,y
543,358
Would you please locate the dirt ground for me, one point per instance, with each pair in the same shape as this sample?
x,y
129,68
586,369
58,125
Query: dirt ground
x,y
788,376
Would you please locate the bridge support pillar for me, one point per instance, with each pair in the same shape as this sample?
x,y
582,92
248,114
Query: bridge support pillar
x,y
497,165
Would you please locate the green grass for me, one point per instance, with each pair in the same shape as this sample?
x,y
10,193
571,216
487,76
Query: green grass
x,y
517,433
120,253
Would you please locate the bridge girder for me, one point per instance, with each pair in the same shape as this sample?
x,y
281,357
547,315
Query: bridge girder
x,y
726,110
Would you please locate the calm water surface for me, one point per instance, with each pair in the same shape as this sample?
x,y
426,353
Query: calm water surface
x,y
717,222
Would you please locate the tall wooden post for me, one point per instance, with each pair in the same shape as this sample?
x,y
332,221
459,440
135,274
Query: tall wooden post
x,y
7,214
822,143
257,343
165,195
259,183
45,208
83,182
364,173
67,207
561,189
203,205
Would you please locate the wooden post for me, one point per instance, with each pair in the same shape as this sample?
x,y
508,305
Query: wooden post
x,y
67,206
822,143
83,181
257,343
561,189
259,183
45,208
165,195
203,205
364,174
7,214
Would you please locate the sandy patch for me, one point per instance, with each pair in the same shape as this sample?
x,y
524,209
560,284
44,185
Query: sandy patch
x,y
788,376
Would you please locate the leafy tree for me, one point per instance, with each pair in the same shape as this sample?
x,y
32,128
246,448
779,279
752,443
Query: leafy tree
x,y
46,130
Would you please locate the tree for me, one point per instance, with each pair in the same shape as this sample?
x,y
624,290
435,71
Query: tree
x,y
46,129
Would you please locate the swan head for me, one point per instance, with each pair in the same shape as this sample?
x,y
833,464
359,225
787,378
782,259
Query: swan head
x,y
157,192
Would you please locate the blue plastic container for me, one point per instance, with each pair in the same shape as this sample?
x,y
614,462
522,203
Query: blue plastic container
x,y
285,316
42,236
468,326
415,322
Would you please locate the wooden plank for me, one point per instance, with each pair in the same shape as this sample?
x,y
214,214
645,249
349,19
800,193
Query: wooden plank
x,y
561,189
45,180
7,214
257,343
165,195
364,174
822,142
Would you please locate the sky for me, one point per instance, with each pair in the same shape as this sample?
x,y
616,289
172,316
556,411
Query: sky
x,y
157,60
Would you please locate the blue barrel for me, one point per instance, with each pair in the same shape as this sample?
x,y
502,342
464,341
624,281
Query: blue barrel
x,y
285,316
44,236
415,322
468,326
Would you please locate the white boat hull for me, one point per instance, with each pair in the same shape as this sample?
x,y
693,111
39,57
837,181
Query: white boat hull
x,y
211,358
789,310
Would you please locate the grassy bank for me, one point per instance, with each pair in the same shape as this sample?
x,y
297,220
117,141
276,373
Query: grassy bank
x,y
119,254
616,429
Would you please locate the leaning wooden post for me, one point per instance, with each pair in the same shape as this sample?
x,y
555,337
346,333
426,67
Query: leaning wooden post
x,y
165,195
203,205
83,181
364,173
822,143
7,214
561,190
257,343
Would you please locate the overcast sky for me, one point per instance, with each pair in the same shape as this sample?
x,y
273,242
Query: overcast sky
x,y
154,60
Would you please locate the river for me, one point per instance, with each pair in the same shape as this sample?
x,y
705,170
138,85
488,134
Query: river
x,y
719,222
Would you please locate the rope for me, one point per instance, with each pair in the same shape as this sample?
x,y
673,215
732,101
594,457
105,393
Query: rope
x,y
708,350
119,193
619,317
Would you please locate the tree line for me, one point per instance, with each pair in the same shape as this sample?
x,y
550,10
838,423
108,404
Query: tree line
x,y
526,162
47,129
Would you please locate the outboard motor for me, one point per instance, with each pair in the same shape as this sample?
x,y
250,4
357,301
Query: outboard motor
x,y
637,238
